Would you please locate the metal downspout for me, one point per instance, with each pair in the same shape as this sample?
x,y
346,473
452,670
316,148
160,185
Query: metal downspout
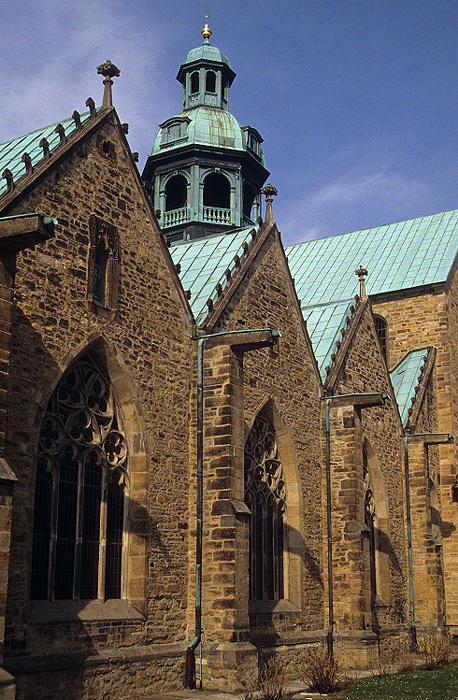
x,y
190,673
330,634
413,629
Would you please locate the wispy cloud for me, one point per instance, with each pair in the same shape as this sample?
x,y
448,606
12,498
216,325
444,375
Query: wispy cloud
x,y
68,43
339,201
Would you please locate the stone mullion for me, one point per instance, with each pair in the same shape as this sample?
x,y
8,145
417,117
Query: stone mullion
x,y
78,529
103,535
53,530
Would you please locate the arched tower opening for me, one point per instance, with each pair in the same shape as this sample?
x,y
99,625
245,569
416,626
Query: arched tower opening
x,y
217,191
176,191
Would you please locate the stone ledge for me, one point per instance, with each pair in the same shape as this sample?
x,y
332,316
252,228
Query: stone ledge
x,y
59,662
43,612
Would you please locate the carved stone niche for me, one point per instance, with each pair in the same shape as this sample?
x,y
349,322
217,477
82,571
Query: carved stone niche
x,y
103,265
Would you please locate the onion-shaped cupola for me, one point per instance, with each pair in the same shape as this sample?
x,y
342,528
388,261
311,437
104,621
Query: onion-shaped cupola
x,y
205,170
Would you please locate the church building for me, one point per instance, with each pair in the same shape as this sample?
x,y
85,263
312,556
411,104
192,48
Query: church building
x,y
212,453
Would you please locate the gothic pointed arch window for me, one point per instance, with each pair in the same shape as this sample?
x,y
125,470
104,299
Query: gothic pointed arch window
x,y
381,326
80,490
265,496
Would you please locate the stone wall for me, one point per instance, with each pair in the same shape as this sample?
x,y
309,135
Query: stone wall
x,y
144,345
366,438
421,321
285,386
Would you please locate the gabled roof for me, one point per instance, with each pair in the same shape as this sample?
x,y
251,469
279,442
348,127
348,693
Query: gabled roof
x,y
11,151
397,256
324,322
203,263
405,377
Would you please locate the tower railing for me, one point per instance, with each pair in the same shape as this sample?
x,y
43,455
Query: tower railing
x,y
217,215
175,216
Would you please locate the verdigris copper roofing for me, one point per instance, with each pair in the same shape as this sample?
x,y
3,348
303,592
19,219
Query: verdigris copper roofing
x,y
397,256
404,378
11,151
324,322
206,127
203,263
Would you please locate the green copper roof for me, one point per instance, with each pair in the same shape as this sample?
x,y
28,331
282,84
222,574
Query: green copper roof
x,y
203,263
206,52
404,378
207,127
397,256
11,152
323,324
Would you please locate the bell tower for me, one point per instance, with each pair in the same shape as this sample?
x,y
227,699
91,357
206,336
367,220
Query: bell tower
x,y
205,170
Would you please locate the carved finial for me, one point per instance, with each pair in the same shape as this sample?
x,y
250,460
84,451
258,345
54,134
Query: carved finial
x,y
91,104
135,156
228,275
260,221
157,213
361,272
219,289
210,305
270,191
206,33
237,261
125,128
109,71
77,119
8,176
26,159
245,247
45,146
178,268
188,294
61,131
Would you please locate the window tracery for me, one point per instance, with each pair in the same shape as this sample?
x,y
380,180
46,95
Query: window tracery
x,y
265,495
79,501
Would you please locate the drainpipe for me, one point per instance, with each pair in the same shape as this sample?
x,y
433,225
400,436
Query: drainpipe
x,y
434,439
365,400
190,679
330,634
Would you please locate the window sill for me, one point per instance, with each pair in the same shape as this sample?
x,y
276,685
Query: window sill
x,y
43,612
272,606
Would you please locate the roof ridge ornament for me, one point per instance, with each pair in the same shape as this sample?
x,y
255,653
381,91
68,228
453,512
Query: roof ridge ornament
x,y
109,71
206,31
361,272
270,191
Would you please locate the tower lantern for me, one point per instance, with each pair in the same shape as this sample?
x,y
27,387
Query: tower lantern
x,y
205,170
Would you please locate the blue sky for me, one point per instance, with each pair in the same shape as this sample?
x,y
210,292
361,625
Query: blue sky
x,y
356,100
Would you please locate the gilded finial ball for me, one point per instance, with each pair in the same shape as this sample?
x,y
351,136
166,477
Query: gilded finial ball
x,y
206,32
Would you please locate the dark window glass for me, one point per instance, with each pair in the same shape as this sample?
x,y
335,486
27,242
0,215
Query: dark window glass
x,y
381,328
79,498
265,497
